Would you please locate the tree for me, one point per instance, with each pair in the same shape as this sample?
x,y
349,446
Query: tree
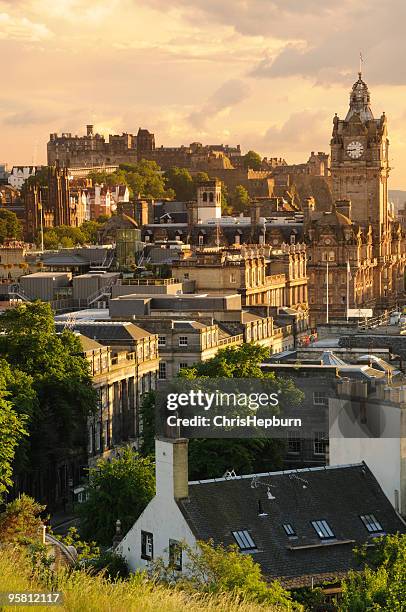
x,y
10,226
64,395
225,206
221,569
21,520
382,583
90,230
12,428
240,199
181,182
210,458
252,160
63,235
118,489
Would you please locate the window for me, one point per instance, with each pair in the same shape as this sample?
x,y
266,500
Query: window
x,y
201,240
186,275
294,443
175,555
244,540
182,340
320,398
183,365
162,370
320,443
233,277
147,545
161,340
331,256
204,197
211,197
323,530
289,529
371,523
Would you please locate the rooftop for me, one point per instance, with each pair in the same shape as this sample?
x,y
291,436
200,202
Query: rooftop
x,y
278,511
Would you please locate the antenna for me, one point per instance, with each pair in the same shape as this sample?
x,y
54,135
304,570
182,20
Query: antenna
x,y
269,494
296,477
361,61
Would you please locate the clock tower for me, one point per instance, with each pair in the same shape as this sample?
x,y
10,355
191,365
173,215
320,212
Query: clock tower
x,y
359,164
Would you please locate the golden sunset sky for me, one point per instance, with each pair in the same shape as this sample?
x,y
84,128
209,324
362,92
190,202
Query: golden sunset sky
x,y
266,74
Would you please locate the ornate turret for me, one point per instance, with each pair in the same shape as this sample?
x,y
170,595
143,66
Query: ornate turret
x,y
360,101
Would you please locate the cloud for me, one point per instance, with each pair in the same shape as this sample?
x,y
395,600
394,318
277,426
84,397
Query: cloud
x,y
227,96
21,28
301,132
29,117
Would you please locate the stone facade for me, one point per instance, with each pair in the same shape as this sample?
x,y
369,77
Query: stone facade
x,y
356,249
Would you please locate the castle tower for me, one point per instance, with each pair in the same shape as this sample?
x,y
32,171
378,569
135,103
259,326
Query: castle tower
x,y
208,200
359,162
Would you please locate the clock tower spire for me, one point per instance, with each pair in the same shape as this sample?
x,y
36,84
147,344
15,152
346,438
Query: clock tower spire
x,y
359,160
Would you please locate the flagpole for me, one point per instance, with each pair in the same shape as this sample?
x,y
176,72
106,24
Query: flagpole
x,y
348,287
327,296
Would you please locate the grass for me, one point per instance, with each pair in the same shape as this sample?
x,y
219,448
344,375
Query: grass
x,y
85,593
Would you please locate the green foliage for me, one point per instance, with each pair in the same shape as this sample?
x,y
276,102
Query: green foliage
x,y
85,550
111,565
10,226
226,208
12,424
219,569
62,235
240,199
21,520
119,489
143,179
68,237
147,415
181,182
84,591
252,160
210,458
382,583
59,394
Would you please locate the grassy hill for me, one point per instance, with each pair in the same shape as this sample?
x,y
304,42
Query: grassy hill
x,y
85,593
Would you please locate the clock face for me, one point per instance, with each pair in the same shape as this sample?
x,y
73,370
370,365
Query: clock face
x,y
355,149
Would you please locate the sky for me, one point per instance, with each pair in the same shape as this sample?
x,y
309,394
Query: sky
x,y
266,74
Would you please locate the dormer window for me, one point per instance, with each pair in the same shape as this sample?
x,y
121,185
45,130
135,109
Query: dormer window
x,y
323,529
244,540
371,523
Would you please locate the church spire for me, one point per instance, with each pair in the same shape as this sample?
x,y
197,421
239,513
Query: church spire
x,y
360,100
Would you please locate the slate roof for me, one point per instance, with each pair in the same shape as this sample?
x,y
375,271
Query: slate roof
x,y
107,332
338,495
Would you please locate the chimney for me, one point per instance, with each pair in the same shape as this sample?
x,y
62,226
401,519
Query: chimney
x,y
171,468
344,207
89,129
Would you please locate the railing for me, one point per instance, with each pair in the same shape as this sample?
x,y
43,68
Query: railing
x,y
373,322
105,290
147,281
230,340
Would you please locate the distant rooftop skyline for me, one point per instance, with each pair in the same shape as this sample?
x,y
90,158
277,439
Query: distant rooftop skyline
x,y
266,75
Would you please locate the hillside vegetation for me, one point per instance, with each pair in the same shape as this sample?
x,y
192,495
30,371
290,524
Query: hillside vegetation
x,y
85,593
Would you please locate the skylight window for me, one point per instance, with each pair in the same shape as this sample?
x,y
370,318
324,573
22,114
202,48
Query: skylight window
x,y
244,540
371,523
289,529
323,529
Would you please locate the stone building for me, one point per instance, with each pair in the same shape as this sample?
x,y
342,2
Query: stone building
x,y
121,378
262,276
356,249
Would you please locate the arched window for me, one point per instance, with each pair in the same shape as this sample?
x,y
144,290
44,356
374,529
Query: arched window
x,y
211,197
204,197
